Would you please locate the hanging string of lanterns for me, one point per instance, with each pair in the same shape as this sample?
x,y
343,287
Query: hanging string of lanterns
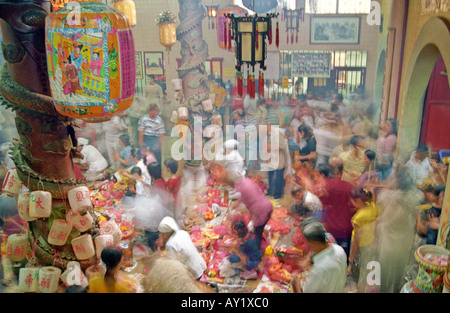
x,y
211,14
292,17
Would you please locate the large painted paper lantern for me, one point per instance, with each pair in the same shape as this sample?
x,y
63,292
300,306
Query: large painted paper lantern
x,y
128,8
91,60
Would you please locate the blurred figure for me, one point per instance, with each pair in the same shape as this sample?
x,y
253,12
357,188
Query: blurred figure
x,y
110,283
363,234
250,247
277,163
123,157
328,269
137,159
253,198
353,160
112,130
178,241
151,131
395,230
137,110
307,143
428,220
387,141
306,204
337,210
174,186
419,165
154,93
370,175
303,113
93,159
159,186
220,98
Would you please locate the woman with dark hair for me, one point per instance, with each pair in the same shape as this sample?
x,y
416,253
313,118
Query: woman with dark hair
x,y
137,159
370,175
353,160
124,157
174,185
250,247
159,186
363,233
110,283
307,143
387,141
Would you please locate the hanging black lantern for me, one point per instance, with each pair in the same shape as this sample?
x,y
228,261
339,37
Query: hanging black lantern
x,y
250,34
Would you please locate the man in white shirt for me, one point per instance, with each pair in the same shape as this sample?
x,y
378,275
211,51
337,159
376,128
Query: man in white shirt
x,y
419,166
94,160
328,272
178,241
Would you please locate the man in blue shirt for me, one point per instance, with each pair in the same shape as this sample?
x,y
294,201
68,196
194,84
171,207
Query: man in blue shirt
x,y
151,131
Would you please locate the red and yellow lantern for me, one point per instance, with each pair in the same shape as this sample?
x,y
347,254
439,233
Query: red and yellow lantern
x,y
128,8
91,60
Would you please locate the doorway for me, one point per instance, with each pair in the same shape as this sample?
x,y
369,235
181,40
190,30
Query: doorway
x,y
436,114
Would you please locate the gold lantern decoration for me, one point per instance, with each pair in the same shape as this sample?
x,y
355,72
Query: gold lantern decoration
x,y
128,8
167,29
58,4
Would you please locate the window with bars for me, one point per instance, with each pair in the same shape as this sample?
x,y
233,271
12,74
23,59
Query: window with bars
x,y
337,6
348,70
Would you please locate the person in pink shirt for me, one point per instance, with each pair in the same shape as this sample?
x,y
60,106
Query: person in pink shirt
x,y
253,198
387,141
148,155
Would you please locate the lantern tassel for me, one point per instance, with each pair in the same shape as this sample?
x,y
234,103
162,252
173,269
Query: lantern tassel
x,y
253,86
259,82
238,83
225,34
270,35
230,43
256,36
277,36
248,82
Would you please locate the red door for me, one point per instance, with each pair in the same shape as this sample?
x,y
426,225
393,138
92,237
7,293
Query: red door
x,y
436,117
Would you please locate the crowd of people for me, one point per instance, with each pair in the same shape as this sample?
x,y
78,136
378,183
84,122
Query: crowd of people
x,y
334,166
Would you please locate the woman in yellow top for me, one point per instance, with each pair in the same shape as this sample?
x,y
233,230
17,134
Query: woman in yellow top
x,y
363,233
109,283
